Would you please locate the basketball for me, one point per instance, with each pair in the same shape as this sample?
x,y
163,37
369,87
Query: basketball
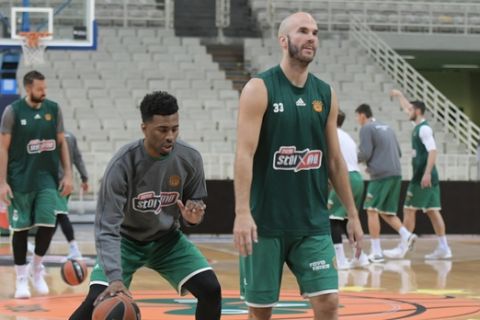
x,y
119,307
74,272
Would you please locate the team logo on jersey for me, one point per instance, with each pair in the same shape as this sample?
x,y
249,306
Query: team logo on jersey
x,y
288,158
48,116
39,146
151,202
174,181
317,105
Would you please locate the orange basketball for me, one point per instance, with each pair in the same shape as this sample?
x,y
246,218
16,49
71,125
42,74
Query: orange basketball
x,y
119,307
74,272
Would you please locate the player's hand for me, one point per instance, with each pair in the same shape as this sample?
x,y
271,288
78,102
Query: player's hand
x,y
355,234
426,181
84,186
66,186
5,194
244,233
116,287
193,210
395,93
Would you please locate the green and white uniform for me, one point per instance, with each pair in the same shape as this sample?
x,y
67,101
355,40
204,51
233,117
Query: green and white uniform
x,y
348,148
289,193
137,217
419,198
33,162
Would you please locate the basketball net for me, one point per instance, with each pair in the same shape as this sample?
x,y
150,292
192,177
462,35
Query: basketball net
x,y
33,47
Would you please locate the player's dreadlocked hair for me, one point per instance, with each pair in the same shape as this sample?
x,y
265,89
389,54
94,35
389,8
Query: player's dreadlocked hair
x,y
158,103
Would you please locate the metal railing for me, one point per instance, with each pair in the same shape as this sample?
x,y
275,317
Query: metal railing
x,y
133,13
416,86
392,16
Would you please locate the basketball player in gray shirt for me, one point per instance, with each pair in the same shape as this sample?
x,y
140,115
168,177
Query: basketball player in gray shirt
x,y
380,150
148,187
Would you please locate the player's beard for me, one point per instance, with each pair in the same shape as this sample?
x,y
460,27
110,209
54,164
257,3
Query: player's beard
x,y
295,53
35,99
413,117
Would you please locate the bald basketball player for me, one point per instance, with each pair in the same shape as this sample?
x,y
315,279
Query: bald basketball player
x,y
287,126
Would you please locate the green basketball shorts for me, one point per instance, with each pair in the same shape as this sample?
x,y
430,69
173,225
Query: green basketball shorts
x,y
383,195
173,256
310,258
424,199
31,209
335,207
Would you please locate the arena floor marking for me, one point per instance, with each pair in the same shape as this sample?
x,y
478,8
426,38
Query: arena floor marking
x,y
166,305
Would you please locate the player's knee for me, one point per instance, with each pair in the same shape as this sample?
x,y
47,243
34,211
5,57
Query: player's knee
x,y
259,313
212,291
325,305
205,287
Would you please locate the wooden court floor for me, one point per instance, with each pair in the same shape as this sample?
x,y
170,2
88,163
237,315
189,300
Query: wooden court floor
x,y
397,289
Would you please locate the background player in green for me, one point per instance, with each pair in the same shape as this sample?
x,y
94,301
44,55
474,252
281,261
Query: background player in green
x,y
423,190
286,145
338,214
380,150
31,145
140,202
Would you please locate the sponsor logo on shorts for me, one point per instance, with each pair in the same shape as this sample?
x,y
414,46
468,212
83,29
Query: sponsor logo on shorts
x,y
39,146
319,265
288,158
151,202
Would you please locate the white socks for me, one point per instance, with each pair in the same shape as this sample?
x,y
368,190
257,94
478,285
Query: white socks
x,y
404,233
442,242
340,253
376,247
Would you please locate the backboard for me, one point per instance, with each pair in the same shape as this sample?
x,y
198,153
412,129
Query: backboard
x,y
71,22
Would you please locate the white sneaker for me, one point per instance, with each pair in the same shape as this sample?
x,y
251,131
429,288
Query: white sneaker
x,y
22,290
376,258
439,253
38,281
361,261
402,249
343,265
411,243
395,253
74,254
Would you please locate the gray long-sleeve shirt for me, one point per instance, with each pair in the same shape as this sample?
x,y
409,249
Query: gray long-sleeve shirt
x,y
379,148
75,157
138,195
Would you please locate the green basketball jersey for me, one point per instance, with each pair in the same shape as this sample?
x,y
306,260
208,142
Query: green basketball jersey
x,y
420,157
33,157
290,183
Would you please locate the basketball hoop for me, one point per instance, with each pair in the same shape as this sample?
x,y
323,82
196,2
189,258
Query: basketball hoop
x,y
33,47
